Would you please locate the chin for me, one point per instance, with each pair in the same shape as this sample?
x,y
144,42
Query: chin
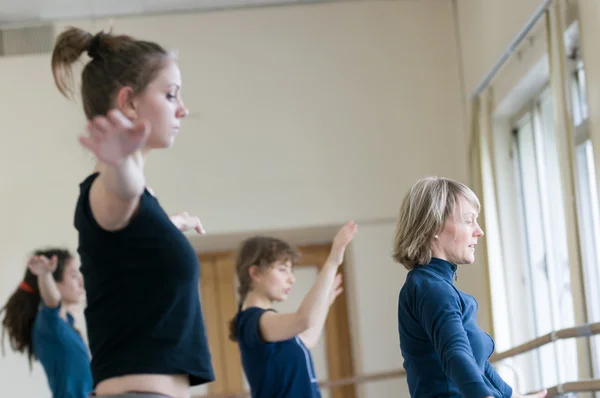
x,y
469,260
169,142
280,298
160,142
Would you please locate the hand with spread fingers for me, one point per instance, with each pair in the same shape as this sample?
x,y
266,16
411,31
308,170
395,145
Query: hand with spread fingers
x,y
184,222
114,138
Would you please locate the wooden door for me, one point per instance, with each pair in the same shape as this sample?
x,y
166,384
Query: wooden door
x,y
218,283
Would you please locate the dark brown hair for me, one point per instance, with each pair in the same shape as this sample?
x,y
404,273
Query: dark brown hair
x,y
117,61
261,251
22,306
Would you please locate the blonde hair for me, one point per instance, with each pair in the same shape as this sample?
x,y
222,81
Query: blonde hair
x,y
422,215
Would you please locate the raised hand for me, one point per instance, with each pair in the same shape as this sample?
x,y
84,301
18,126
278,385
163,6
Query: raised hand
x,y
40,265
113,138
336,289
341,240
184,222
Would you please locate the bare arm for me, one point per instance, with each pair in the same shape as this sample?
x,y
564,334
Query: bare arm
x,y
115,194
43,268
278,327
310,337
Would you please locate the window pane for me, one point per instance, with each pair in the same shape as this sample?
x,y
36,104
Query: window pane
x,y
543,215
538,283
558,258
589,230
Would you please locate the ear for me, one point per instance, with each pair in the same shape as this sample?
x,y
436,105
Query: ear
x,y
125,102
254,272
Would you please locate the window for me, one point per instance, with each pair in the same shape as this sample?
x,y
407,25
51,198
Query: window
x,y
587,204
535,262
542,227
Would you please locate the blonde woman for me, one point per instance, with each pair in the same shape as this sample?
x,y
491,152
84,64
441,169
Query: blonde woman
x,y
445,352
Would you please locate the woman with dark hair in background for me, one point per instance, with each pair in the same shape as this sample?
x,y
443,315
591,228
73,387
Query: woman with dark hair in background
x,y
39,322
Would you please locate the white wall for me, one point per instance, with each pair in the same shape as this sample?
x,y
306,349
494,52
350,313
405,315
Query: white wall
x,y
376,279
302,117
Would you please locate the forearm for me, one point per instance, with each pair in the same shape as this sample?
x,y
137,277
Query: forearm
x,y
126,181
48,290
316,303
498,382
466,375
311,337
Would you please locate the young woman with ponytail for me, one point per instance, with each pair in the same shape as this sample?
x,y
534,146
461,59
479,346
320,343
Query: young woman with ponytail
x,y
275,347
145,326
38,321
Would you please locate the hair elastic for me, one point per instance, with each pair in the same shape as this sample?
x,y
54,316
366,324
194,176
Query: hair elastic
x,y
26,287
94,46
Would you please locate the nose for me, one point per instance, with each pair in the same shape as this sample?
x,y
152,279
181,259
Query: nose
x,y
478,231
182,111
292,279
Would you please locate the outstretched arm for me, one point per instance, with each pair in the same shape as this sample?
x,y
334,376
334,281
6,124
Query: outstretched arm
x,y
115,194
279,327
311,337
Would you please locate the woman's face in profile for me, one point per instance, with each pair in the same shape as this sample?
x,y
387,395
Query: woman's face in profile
x,y
456,243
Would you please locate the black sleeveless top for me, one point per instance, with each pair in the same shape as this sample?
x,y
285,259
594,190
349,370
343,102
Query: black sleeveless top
x,y
143,309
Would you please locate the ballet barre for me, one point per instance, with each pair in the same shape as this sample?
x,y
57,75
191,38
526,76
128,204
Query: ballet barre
x,y
586,330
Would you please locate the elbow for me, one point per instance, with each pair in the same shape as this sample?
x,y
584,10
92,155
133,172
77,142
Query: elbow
x,y
130,193
51,302
304,321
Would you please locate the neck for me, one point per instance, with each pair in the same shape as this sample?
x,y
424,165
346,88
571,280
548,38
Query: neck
x,y
443,267
145,151
256,299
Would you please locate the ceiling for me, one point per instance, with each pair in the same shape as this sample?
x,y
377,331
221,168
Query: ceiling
x,y
23,12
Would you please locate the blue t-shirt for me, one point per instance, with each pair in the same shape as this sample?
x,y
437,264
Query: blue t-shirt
x,y
143,309
274,369
445,352
62,353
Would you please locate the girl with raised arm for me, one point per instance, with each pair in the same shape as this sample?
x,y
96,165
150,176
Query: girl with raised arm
x,y
38,318
275,347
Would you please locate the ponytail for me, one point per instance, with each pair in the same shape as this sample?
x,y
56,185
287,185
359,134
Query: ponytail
x,y
116,61
19,315
243,292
